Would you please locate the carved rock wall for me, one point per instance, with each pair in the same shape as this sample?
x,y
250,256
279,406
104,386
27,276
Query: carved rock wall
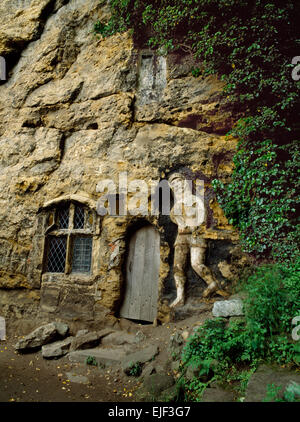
x,y
73,112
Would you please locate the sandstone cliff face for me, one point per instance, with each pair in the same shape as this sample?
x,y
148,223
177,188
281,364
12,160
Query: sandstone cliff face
x,y
76,109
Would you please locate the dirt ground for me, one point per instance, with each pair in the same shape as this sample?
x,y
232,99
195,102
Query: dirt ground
x,y
31,378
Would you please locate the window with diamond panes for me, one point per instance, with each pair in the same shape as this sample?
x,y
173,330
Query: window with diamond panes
x,y
64,237
82,254
57,254
79,217
63,217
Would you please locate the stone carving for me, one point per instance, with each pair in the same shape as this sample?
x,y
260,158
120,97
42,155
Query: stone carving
x,y
188,241
152,78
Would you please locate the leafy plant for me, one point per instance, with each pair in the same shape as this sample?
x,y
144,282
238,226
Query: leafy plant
x,y
272,392
135,369
291,393
272,301
91,360
196,72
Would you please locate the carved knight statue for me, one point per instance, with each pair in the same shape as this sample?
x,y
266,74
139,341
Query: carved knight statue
x,y
189,215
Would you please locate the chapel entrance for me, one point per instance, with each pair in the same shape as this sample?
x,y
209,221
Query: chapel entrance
x,y
142,274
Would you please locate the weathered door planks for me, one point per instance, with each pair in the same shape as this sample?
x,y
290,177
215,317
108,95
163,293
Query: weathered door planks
x,y
142,274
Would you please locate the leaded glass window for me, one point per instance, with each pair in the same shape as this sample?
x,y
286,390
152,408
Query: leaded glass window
x,y
82,254
79,215
63,217
57,254
69,239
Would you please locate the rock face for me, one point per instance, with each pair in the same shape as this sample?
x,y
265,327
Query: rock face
x,y
76,110
42,335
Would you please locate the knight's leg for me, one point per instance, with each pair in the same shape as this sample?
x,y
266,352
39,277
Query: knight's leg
x,y
180,260
198,265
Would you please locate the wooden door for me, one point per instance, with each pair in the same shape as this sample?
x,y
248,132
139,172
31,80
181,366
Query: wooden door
x,y
142,274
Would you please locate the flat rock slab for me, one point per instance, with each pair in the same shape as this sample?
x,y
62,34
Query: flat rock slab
x,y
85,341
81,333
189,309
156,383
107,357
227,308
61,328
57,349
105,332
42,335
267,375
141,356
119,338
78,379
217,395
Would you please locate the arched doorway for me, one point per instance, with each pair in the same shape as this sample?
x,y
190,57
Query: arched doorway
x,y
142,274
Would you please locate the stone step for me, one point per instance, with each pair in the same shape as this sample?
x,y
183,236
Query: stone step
x,y
78,379
107,357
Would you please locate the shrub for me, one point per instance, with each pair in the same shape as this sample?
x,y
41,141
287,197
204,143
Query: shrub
x,y
273,300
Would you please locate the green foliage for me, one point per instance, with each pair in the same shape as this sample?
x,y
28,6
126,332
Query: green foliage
x,y
250,45
262,199
91,360
196,72
291,393
272,392
273,300
135,369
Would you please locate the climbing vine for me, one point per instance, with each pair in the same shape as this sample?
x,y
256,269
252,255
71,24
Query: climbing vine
x,y
250,44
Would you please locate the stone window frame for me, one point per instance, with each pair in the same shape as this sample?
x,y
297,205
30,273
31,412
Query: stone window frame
x,y
53,229
36,259
147,53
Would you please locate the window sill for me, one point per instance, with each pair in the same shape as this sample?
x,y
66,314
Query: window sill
x,y
72,278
